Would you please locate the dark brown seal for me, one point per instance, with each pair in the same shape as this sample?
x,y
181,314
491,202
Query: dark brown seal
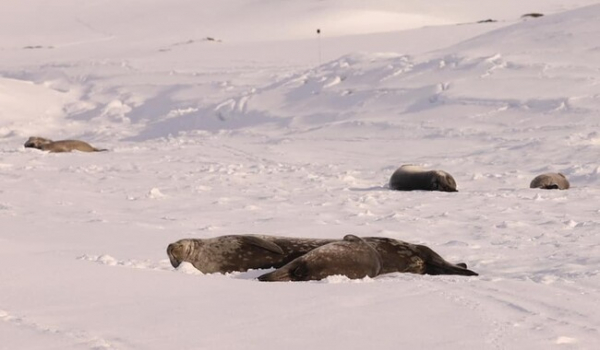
x,y
240,252
399,256
411,177
60,146
550,181
351,257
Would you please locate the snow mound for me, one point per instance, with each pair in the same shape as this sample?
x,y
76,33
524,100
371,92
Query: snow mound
x,y
30,109
478,74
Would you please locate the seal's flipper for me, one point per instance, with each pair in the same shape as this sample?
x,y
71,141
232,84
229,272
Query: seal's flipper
x,y
262,243
352,238
288,273
550,187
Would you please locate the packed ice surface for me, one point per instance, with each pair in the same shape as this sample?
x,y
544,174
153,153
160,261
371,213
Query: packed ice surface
x,y
236,117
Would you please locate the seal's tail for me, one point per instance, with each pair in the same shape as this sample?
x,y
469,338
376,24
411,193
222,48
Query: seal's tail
x,y
100,150
448,269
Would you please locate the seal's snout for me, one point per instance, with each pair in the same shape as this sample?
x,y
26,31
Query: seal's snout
x,y
35,142
171,252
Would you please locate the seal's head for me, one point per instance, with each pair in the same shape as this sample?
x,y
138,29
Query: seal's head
x,y
36,142
181,251
442,181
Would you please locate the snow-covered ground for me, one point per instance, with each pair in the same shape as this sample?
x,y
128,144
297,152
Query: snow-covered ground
x,y
235,117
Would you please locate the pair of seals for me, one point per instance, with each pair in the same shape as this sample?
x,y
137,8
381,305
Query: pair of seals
x,y
412,177
60,146
312,258
550,181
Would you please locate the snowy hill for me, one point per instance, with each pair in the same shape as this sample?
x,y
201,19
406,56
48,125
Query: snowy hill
x,y
234,117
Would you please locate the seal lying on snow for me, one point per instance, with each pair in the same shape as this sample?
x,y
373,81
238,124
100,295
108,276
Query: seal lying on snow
x,y
550,181
411,177
244,252
399,256
351,257
240,252
60,146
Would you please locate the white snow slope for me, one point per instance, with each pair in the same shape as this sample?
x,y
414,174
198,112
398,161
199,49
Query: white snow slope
x,y
235,117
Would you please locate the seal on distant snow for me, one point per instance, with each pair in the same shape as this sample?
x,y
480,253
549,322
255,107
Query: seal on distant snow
x,y
550,181
240,252
411,177
60,146
399,256
351,257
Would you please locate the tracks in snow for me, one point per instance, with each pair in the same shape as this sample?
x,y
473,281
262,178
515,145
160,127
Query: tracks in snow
x,y
77,336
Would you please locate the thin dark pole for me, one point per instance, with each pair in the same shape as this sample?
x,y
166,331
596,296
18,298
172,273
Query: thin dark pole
x,y
319,44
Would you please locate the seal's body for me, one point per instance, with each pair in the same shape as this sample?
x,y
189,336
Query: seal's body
x,y
550,181
60,146
240,252
411,177
351,257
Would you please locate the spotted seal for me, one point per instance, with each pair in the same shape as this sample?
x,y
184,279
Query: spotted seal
x,y
550,181
351,257
412,177
60,146
240,252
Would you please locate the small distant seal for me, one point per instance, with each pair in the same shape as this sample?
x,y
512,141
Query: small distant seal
x,y
60,146
400,256
550,181
240,252
351,257
533,15
412,177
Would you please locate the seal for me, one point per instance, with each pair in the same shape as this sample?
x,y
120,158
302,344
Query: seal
x,y
400,256
411,177
550,181
240,252
60,146
352,257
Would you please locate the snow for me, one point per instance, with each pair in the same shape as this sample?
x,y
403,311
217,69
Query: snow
x,y
266,128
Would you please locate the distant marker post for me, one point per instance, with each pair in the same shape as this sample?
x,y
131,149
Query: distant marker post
x,y
319,43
